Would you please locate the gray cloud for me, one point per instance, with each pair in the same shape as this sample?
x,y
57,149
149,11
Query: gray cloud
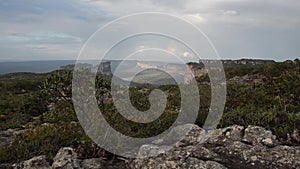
x,y
43,30
40,37
238,28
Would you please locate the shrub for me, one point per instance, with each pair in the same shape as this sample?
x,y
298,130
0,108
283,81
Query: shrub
x,y
43,140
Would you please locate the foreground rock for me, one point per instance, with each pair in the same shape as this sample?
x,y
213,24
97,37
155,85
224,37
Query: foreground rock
x,y
67,158
233,147
34,163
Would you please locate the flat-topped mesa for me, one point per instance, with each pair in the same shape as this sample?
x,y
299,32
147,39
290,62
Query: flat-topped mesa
x,y
239,62
103,68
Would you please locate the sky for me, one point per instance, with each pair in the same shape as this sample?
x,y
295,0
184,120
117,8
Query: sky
x,y
58,29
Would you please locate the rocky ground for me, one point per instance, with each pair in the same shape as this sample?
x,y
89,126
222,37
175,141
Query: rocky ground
x,y
233,147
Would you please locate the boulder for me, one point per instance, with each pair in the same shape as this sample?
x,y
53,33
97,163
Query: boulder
x,y
93,163
296,136
33,163
66,158
225,135
150,150
259,135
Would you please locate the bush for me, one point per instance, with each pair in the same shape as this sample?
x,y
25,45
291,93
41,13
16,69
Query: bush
x,y
14,120
43,140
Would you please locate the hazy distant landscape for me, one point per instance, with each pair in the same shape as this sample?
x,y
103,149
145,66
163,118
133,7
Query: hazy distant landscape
x,y
33,66
125,71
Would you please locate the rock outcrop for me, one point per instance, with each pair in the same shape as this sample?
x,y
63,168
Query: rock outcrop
x,y
67,158
233,147
39,162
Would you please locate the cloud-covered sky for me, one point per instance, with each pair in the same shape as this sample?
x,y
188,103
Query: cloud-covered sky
x,y
57,29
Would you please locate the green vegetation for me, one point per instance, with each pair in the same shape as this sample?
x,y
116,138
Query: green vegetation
x,y
20,99
43,139
273,103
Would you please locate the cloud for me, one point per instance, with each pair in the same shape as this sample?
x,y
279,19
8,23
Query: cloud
x,y
36,29
238,28
41,37
195,18
252,13
230,12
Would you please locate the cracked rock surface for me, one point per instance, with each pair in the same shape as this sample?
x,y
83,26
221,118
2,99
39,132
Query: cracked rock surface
x,y
233,147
